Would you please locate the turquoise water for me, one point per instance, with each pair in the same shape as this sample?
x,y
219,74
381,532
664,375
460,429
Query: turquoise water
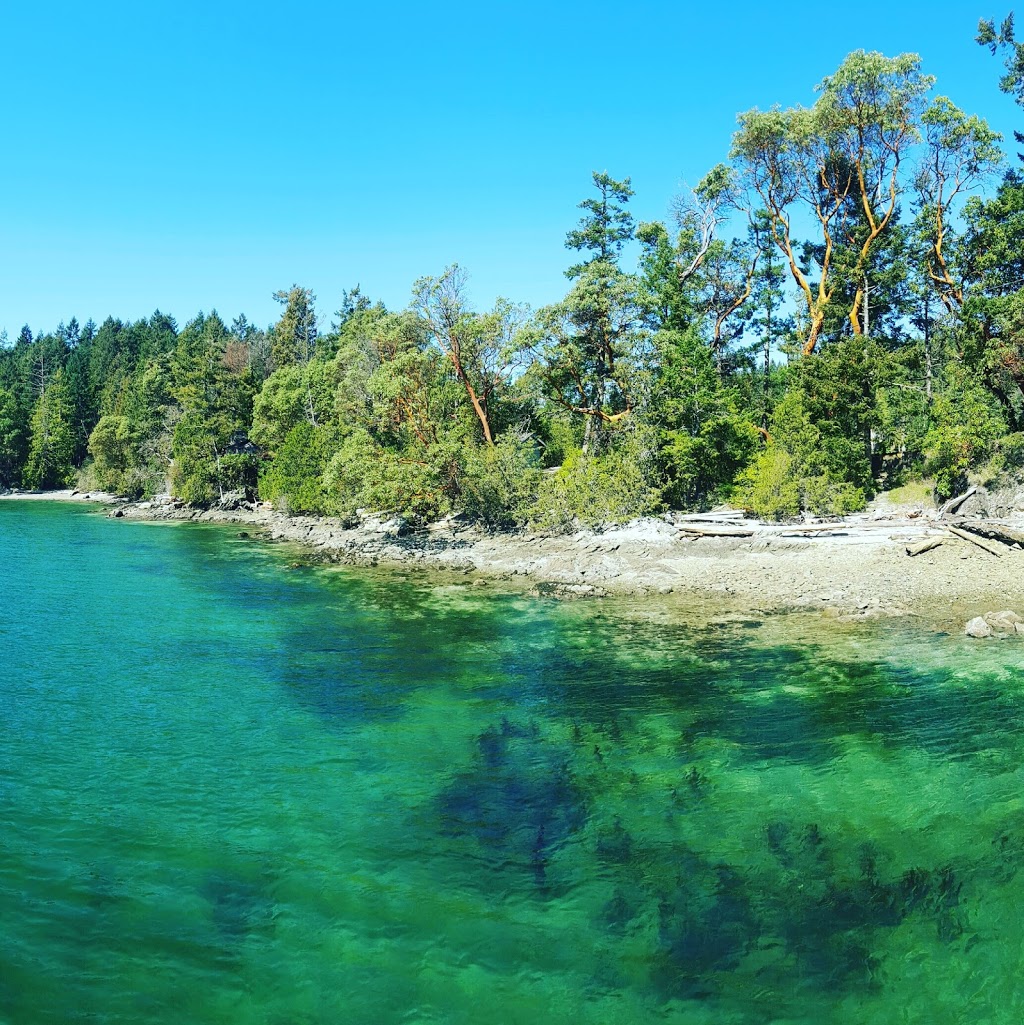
x,y
234,791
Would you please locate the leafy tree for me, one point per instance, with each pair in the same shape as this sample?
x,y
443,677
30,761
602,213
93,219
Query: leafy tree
x,y
12,447
215,401
1004,38
479,348
703,437
670,261
843,162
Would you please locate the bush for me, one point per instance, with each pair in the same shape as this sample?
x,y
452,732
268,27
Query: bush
x,y
825,496
966,423
1011,451
768,488
295,477
416,485
499,485
592,491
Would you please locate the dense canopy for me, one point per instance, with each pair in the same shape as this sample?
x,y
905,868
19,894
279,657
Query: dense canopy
x,y
837,309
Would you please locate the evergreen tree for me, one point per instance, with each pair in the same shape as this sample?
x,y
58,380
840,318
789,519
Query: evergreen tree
x,y
52,444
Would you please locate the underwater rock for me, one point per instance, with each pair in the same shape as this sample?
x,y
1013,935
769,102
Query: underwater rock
x,y
555,589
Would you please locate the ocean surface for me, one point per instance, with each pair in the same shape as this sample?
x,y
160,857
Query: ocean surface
x,y
238,790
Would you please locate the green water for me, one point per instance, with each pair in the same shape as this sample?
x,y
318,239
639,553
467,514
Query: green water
x,y
232,791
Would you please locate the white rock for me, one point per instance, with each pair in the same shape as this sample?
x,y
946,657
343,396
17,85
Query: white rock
x,y
977,627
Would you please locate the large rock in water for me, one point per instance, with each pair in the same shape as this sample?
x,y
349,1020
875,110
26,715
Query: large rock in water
x,y
977,627
995,624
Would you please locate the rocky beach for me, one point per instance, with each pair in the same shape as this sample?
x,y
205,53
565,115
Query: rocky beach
x,y
721,563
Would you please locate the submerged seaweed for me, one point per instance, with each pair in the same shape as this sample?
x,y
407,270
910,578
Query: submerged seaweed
x,y
519,801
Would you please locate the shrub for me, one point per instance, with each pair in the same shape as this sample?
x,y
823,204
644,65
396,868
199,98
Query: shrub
x,y
825,496
1011,449
768,488
592,491
499,485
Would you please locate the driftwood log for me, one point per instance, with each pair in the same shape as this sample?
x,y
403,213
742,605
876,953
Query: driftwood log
x,y
727,516
714,531
989,546
924,546
954,503
995,531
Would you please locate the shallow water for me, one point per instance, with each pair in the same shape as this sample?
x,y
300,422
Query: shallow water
x,y
236,792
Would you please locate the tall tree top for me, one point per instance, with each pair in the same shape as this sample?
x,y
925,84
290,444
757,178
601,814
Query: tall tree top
x,y
606,225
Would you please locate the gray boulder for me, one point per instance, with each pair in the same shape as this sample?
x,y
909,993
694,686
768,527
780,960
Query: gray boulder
x,y
1004,622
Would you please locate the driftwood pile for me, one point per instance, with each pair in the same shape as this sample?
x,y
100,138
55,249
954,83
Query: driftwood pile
x,y
989,535
995,538
992,536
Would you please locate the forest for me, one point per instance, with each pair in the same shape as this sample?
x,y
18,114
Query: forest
x,y
835,309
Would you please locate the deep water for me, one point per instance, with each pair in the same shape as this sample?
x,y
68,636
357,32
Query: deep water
x,y
236,791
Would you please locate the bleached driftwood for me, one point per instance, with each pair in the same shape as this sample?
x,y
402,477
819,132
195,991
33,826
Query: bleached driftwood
x,y
989,546
996,531
954,503
924,546
714,531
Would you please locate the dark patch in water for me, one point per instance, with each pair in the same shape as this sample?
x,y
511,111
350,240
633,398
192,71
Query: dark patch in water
x,y
520,801
237,905
705,926
615,845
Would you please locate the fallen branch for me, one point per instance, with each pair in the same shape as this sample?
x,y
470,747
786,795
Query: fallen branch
x,y
986,546
711,517
822,528
715,531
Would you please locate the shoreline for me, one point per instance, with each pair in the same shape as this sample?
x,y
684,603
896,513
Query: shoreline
x,y
857,569
62,495
853,570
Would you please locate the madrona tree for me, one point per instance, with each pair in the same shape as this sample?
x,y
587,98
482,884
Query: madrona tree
x,y
848,166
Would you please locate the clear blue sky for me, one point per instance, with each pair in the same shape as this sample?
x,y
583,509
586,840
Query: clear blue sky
x,y
189,156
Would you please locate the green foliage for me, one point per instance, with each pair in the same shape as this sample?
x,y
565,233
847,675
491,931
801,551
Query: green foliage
x,y
827,418
363,474
817,460
703,438
966,423
1005,38
768,487
294,337
295,477
500,484
11,439
587,349
825,496
1011,451
194,470
596,491
52,444
112,446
